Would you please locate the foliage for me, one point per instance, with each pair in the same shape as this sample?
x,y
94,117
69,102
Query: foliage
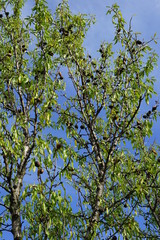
x,y
96,176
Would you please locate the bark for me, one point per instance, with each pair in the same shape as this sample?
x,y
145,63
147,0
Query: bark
x,y
15,203
96,212
15,215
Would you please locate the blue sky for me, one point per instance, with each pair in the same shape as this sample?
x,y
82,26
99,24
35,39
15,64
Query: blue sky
x,y
145,13
146,20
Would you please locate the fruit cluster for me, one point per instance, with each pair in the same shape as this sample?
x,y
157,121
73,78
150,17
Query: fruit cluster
x,y
40,170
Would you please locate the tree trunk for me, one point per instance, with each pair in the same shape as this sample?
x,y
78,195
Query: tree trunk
x,y
96,211
15,210
100,188
16,219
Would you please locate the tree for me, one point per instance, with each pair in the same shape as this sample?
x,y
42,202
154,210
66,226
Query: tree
x,y
102,163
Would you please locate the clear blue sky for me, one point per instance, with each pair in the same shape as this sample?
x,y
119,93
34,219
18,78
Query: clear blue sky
x,y
146,20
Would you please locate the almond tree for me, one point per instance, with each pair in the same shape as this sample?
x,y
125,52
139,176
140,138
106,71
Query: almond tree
x,y
75,165
31,54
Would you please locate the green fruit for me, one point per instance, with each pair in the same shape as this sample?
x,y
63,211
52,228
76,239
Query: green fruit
x,y
138,42
154,108
37,163
41,171
58,146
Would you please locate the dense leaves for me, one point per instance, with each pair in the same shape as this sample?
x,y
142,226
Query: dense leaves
x,y
75,164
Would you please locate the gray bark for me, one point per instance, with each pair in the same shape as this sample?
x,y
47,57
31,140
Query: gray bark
x,y
15,212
